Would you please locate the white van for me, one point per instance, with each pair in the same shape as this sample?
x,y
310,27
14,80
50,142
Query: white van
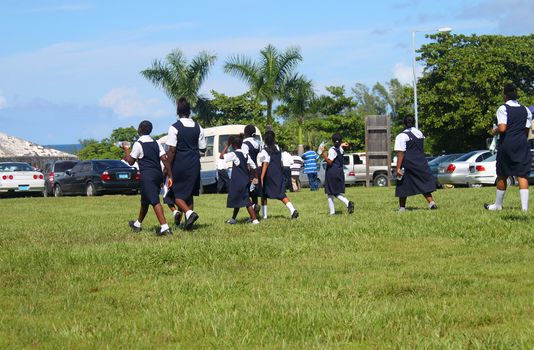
x,y
216,138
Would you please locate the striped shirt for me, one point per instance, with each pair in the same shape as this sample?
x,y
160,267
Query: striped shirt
x,y
310,161
296,166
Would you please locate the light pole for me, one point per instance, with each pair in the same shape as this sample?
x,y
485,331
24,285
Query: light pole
x,y
441,30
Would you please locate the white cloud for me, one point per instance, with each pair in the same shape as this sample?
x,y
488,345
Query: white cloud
x,y
404,73
3,101
128,103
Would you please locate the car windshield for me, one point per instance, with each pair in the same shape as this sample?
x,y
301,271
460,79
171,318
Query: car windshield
x,y
466,156
63,166
4,167
101,165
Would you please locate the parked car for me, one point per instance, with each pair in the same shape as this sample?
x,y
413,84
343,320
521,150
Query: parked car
x,y
485,173
19,177
350,176
94,177
54,172
356,163
454,172
434,163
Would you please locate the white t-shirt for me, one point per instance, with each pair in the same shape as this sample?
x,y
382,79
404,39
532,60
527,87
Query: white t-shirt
x,y
172,137
221,164
402,138
263,156
231,157
252,140
502,116
137,149
287,159
332,154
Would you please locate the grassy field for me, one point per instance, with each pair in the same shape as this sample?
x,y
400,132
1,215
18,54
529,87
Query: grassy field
x,y
72,275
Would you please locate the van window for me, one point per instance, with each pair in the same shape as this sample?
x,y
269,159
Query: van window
x,y
357,159
209,146
222,141
346,160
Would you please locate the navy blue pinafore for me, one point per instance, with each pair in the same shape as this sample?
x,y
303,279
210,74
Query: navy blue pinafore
x,y
417,178
238,192
151,174
186,163
513,151
273,183
334,183
253,154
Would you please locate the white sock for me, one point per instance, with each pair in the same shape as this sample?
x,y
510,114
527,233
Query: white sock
x,y
402,209
255,221
264,211
137,223
499,198
175,212
290,207
164,227
331,206
343,199
188,213
523,194
431,204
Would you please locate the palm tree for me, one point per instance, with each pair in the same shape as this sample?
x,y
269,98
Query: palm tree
x,y
178,78
297,97
267,77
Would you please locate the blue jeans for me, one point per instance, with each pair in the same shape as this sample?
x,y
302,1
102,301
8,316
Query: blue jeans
x,y
314,181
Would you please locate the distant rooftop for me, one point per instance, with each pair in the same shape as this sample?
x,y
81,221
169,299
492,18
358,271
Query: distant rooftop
x,y
11,146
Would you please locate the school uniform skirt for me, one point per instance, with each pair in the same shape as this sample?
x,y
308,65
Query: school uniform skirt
x,y
273,182
513,157
238,191
151,181
186,175
334,183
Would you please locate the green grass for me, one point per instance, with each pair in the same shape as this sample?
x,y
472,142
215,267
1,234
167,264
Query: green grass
x,y
72,275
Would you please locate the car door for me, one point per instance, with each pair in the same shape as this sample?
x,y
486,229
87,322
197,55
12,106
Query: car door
x,y
67,182
78,175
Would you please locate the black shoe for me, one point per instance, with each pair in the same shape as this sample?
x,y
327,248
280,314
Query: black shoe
x,y
189,222
486,206
133,227
350,207
295,214
433,207
163,233
178,218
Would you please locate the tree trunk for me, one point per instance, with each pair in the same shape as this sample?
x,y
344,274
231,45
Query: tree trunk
x,y
269,114
300,149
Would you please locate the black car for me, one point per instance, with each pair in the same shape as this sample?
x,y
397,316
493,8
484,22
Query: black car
x,y
94,177
54,172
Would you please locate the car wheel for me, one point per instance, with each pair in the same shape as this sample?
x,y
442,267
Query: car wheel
x,y
380,180
90,190
58,192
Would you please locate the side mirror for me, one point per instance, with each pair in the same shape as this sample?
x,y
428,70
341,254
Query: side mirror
x,y
68,172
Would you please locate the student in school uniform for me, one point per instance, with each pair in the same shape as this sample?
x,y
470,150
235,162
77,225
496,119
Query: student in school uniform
x,y
334,184
287,161
149,153
223,180
513,151
168,196
413,173
272,176
252,147
242,168
186,142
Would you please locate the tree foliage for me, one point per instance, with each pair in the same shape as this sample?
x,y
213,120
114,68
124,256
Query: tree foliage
x,y
462,84
107,148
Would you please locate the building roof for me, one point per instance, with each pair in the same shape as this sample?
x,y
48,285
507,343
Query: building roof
x,y
11,146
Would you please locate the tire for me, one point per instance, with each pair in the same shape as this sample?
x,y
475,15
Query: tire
x,y
58,192
380,180
90,190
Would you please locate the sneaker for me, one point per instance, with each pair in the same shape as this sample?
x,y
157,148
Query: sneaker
x,y
190,221
178,218
231,221
163,233
255,222
350,207
295,214
402,209
133,227
491,207
433,207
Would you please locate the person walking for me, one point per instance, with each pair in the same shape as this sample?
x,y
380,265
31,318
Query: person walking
x,y
223,180
287,161
295,172
310,167
413,173
513,151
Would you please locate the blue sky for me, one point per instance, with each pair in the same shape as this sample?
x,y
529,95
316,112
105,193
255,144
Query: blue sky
x,y
69,70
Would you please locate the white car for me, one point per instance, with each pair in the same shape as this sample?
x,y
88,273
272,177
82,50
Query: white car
x,y
484,173
20,177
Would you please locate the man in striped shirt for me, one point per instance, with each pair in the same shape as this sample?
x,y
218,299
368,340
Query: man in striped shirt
x,y
310,167
298,163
